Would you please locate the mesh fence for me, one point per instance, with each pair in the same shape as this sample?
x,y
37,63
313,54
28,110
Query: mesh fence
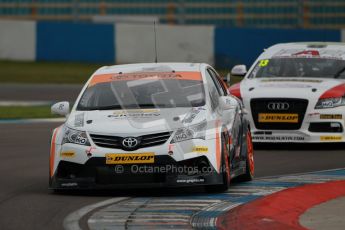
x,y
239,13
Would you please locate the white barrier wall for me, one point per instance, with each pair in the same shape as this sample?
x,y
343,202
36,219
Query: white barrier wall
x,y
135,43
342,35
18,40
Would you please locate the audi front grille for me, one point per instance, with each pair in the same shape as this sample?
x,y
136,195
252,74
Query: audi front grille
x,y
261,106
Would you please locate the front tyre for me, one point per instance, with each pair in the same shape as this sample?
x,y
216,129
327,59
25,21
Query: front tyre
x,y
249,175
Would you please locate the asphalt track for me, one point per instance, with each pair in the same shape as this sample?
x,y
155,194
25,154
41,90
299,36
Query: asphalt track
x,y
25,202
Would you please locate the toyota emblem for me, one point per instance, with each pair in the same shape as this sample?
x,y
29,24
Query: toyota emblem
x,y
278,106
130,142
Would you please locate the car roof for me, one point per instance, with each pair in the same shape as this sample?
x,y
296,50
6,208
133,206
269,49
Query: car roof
x,y
325,49
151,67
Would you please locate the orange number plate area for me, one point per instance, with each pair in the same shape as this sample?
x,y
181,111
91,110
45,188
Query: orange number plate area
x,y
278,117
130,158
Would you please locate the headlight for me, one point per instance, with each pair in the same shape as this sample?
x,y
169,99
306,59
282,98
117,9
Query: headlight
x,y
197,131
75,137
330,103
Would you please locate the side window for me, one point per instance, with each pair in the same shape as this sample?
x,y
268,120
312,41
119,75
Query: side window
x,y
212,90
222,91
223,87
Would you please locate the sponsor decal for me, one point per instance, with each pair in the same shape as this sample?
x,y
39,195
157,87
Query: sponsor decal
x,y
139,111
228,101
292,80
71,184
327,104
278,117
79,120
264,62
191,116
131,158
196,76
302,53
135,114
278,138
307,53
313,114
200,149
67,154
286,85
331,116
182,134
192,180
331,138
139,76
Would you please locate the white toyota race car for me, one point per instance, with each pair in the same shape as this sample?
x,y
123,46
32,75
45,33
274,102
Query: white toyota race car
x,y
295,92
148,125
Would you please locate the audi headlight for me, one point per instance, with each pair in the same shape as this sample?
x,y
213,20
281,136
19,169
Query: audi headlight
x,y
197,131
75,137
327,103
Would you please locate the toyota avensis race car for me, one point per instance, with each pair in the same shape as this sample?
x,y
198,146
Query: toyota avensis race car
x,y
295,92
147,125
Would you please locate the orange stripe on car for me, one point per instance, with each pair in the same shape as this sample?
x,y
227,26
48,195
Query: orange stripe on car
x,y
52,152
218,147
102,78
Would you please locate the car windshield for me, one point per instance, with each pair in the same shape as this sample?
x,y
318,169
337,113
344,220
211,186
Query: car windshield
x,y
299,67
143,90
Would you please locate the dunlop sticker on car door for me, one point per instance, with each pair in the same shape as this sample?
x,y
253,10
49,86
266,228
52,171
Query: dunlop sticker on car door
x,y
131,158
200,149
331,138
278,117
331,116
67,154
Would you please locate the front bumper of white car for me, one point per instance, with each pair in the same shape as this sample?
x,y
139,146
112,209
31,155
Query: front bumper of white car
x,y
187,163
316,126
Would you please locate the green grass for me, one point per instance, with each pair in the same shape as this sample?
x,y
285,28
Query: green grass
x,y
45,72
54,72
18,112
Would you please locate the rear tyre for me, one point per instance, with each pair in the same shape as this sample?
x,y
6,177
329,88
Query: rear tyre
x,y
224,170
249,175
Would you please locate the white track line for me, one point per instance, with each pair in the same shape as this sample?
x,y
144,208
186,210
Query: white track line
x,y
71,222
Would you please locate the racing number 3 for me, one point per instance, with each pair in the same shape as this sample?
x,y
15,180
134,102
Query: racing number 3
x,y
263,63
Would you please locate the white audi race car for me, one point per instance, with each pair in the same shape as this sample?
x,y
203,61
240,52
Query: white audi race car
x,y
295,92
148,125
